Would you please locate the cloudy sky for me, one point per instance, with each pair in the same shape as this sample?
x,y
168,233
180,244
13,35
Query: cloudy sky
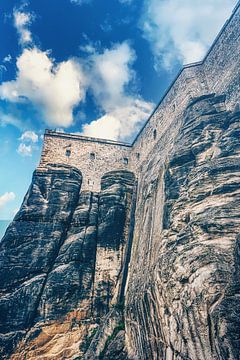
x,y
96,67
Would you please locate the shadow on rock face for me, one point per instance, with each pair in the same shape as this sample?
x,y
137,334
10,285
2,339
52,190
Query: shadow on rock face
x,y
185,305
52,296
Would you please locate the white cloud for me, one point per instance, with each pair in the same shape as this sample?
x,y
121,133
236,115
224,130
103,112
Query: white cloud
x,y
25,150
111,72
7,58
2,68
88,48
128,2
124,112
28,143
106,26
21,22
183,30
8,119
55,89
80,2
29,136
5,198
123,123
60,130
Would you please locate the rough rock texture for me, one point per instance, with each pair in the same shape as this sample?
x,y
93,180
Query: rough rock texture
x,y
64,261
109,340
30,247
184,281
115,350
54,286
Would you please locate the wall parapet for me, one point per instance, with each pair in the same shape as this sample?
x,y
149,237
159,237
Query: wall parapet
x,y
73,136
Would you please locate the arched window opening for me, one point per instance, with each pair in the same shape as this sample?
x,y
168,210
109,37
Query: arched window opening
x,y
125,161
68,152
92,156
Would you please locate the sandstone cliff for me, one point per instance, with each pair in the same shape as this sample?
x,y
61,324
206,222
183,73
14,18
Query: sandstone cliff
x,y
65,258
62,262
184,282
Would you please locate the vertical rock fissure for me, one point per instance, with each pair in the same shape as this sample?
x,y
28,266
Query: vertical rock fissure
x,y
52,262
95,253
129,243
85,231
95,258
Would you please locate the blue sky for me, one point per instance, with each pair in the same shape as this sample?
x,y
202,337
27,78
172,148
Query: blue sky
x,y
95,67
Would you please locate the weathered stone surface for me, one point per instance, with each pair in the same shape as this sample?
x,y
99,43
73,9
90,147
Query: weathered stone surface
x,y
64,259
94,158
109,340
113,228
183,294
67,289
51,299
30,247
116,349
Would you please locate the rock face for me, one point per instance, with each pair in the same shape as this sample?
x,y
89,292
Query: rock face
x,y
184,282
68,290
54,285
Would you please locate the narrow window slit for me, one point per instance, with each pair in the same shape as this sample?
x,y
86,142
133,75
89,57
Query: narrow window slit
x,y
125,161
68,152
154,134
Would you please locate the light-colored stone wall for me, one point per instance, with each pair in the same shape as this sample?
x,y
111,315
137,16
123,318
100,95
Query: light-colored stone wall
x,y
222,63
190,83
109,155
218,73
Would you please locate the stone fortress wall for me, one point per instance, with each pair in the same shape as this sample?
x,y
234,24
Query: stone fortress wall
x,y
145,270
93,157
214,74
